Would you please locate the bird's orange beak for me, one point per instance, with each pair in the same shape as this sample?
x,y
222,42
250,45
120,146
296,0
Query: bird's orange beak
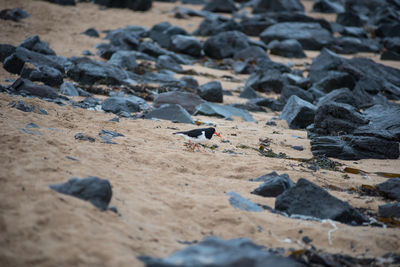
x,y
218,134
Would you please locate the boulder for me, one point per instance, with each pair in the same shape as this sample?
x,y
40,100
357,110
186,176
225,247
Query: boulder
x,y
117,104
239,202
172,112
15,14
287,48
328,6
266,81
253,26
48,75
34,44
334,80
390,210
391,49
390,189
123,39
225,44
307,198
325,62
186,45
6,50
352,45
24,85
163,32
270,103
211,91
68,88
262,6
136,5
349,18
222,6
124,59
249,93
289,90
169,63
187,100
274,186
251,53
91,32
298,113
227,112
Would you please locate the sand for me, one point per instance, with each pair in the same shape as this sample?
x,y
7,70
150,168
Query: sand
x,y
164,192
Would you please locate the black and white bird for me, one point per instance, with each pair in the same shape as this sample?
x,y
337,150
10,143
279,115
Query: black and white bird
x,y
198,136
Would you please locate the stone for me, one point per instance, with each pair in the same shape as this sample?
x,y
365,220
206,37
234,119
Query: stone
x,y
214,251
117,104
253,26
124,59
390,210
328,6
298,113
136,5
6,50
277,6
388,30
227,112
270,103
48,75
349,18
307,198
34,44
391,49
239,202
163,32
211,91
186,45
325,62
15,14
187,100
287,48
190,82
222,6
68,88
251,53
152,49
25,107
167,62
310,35
249,106
225,44
334,80
212,25
92,32
34,89
88,103
266,81
342,95
123,39
248,93
275,186
62,2
84,137
172,112
297,80
289,90
352,45
390,189
93,189
357,32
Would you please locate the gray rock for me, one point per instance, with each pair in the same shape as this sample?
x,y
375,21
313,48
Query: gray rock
x,y
275,186
124,59
172,112
117,104
277,6
163,32
92,32
298,113
6,50
328,6
227,112
251,53
24,85
271,103
136,5
287,48
45,74
325,62
211,91
289,90
186,45
390,189
25,107
187,100
68,88
225,44
222,6
335,80
34,44
266,81
390,210
239,202
167,62
249,93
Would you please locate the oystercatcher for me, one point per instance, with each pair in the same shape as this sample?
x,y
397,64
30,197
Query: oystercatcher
x,y
198,135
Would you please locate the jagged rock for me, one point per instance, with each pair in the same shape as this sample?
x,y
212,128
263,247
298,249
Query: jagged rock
x,y
367,93
335,80
48,75
93,189
137,5
325,62
249,93
349,18
253,26
354,32
34,43
389,29
310,35
306,198
92,32
227,112
172,112
392,49
390,189
68,88
297,80
222,253
343,95
213,25
352,45
123,39
167,62
24,85
277,6
289,90
298,113
266,81
186,45
249,106
251,53
124,59
225,44
62,2
187,100
6,50
25,107
223,6
163,32
190,82
211,91
287,48
271,103
152,49
117,104
328,6
15,14
390,210
274,186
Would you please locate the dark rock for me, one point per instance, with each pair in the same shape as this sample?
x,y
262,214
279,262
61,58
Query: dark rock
x,y
388,30
15,14
349,18
223,6
289,90
390,189
275,186
106,50
92,32
211,91
84,137
271,103
277,6
251,53
299,17
123,39
249,93
225,44
298,113
6,50
367,93
88,103
152,49
310,35
166,78
354,32
34,43
48,75
194,2
117,104
335,80
299,148
392,49
62,2
110,134
136,5
213,25
15,62
325,62
190,82
188,101
167,62
248,106
68,88
239,202
271,123
124,59
87,53
328,6
306,198
172,112
34,89
287,48
186,45
297,80
32,125
222,253
343,95
390,210
306,239
268,81
255,25
25,107
93,189
227,112
265,177
352,45
163,32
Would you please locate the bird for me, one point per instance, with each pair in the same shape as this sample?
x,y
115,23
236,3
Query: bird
x,y
198,135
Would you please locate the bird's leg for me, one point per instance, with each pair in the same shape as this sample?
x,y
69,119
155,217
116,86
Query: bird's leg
x,y
198,148
192,145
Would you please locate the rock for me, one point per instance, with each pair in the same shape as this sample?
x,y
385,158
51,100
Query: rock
x,y
335,80
172,112
354,32
222,253
166,78
271,103
190,82
68,88
48,75
298,148
265,177
25,107
84,137
152,49
167,62
390,189
343,95
92,32
328,6
310,35
239,202
15,14
211,91
88,103
289,90
225,44
163,32
390,210
306,198
117,104
297,80
366,94
136,5
266,81
388,29
227,112
251,53
15,62
87,53
325,62
249,93
222,6
352,45
298,113
62,2
287,48
187,100
213,25
6,50
93,189
253,26
349,18
249,106
34,44
275,186
34,89
124,59
262,6
109,134
392,49
186,45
